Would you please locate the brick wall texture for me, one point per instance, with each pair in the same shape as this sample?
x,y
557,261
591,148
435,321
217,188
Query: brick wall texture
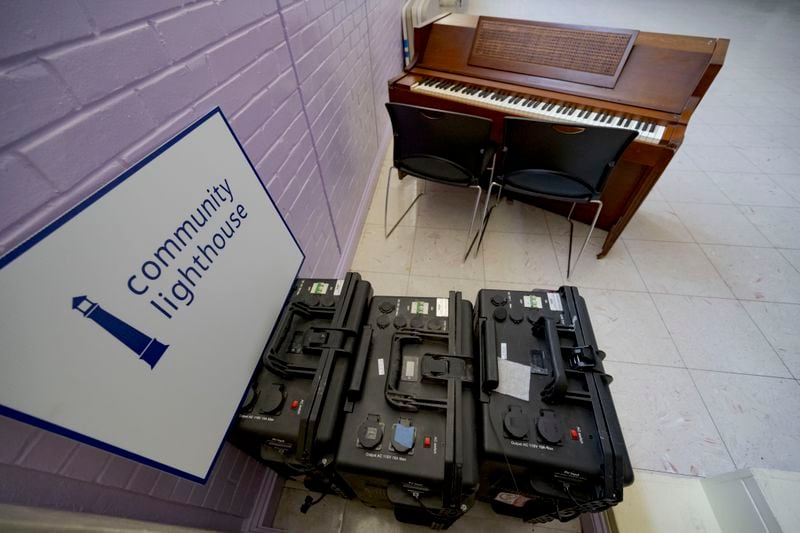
x,y
88,87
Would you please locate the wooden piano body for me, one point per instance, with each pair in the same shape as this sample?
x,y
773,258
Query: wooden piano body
x,y
661,83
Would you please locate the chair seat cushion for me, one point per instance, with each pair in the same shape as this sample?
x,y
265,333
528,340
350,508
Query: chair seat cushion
x,y
544,183
435,170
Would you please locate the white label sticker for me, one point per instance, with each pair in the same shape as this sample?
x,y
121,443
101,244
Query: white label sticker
x,y
442,306
514,379
410,367
381,370
419,308
503,351
337,290
531,301
554,299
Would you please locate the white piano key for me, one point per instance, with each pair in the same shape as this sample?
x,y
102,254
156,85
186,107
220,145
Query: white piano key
x,y
540,108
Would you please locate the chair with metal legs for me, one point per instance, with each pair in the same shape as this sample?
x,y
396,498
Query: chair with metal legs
x,y
559,162
442,147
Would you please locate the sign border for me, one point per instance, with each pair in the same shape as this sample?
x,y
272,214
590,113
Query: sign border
x,y
74,211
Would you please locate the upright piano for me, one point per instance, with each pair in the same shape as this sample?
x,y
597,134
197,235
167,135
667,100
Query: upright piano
x,y
648,82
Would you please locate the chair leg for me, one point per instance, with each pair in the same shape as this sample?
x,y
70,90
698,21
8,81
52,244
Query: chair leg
x,y
386,231
484,218
570,266
470,238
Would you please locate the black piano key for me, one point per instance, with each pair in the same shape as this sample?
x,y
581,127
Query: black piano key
x,y
638,125
627,122
572,111
620,121
652,127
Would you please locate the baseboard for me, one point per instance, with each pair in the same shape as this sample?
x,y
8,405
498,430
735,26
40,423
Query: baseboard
x,y
351,243
265,506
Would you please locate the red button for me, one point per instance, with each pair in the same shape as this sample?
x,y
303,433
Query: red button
x,y
427,442
574,434
295,404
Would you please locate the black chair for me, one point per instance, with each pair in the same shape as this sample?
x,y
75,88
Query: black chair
x,y
560,162
443,147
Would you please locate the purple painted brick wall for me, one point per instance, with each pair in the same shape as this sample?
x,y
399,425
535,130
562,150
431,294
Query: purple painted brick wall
x,y
88,87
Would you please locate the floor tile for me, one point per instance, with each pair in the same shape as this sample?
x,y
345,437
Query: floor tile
x,y
699,134
517,217
714,334
676,268
323,517
628,328
615,271
399,199
780,225
756,416
441,287
744,135
684,186
656,221
376,253
756,273
716,113
718,224
751,189
559,226
520,258
788,135
665,424
780,324
386,284
773,160
793,256
789,183
448,210
358,518
720,159
440,253
682,161
766,115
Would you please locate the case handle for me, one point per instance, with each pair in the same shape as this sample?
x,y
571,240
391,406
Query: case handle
x,y
489,359
557,388
360,365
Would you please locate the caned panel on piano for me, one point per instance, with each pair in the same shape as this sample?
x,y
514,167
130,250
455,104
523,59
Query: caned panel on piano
x,y
654,98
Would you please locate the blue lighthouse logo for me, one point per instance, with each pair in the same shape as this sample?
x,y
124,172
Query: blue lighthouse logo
x,y
149,349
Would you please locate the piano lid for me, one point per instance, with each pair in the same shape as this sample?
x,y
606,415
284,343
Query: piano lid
x,y
661,72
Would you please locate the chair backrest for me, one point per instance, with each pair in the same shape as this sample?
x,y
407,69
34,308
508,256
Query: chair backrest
x,y
588,153
421,132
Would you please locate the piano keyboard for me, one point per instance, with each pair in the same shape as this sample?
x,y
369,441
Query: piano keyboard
x,y
539,108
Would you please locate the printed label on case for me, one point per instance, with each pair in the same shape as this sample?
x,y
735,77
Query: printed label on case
x,y
532,301
419,308
503,350
319,288
554,300
442,306
381,369
337,290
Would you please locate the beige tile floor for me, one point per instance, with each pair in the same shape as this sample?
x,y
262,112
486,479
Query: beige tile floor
x,y
698,305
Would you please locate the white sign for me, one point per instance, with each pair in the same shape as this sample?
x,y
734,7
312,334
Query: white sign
x,y
134,322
